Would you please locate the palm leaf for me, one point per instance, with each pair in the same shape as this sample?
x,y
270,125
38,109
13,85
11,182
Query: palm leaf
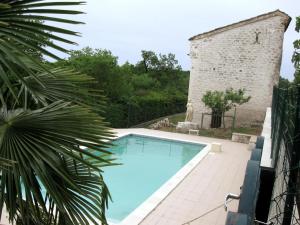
x,y
45,143
4,163
20,29
60,84
46,115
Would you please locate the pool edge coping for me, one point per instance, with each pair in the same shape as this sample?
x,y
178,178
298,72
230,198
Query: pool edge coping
x,y
153,201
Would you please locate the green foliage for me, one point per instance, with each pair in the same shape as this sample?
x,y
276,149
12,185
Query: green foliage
x,y
154,87
284,83
45,144
46,114
103,67
154,105
21,29
296,55
143,82
220,101
163,68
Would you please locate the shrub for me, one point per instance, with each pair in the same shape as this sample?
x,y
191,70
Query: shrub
x,y
220,102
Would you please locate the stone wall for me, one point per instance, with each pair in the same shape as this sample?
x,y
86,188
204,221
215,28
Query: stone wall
x,y
246,56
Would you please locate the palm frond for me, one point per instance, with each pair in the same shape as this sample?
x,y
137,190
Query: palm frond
x,y
58,84
21,28
53,174
6,164
45,118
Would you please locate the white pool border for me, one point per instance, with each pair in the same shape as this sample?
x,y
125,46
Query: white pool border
x,y
140,213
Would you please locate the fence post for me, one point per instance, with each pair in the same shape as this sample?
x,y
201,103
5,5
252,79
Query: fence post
x,y
277,132
128,114
233,121
274,107
223,118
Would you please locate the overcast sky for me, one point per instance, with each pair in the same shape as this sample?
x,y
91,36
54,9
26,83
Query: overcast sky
x,y
128,26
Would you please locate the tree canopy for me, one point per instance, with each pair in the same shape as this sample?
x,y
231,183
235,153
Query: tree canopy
x,y
153,87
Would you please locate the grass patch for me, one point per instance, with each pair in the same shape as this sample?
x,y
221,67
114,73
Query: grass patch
x,y
227,132
177,118
172,118
223,133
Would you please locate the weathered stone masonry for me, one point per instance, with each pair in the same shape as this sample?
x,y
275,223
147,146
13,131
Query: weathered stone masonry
x,y
246,55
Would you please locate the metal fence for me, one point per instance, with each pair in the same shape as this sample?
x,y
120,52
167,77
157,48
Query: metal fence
x,y
285,201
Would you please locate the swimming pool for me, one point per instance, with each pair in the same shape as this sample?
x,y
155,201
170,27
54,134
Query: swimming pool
x,y
147,164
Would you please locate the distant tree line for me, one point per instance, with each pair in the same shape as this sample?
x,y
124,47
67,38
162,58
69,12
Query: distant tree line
x,y
153,87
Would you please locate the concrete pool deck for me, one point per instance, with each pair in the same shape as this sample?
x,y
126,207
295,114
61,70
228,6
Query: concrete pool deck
x,y
204,188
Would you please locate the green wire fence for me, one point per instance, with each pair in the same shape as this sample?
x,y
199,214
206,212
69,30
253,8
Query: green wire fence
x,y
285,202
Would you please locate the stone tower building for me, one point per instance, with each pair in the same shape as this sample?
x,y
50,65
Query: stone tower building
x,y
246,55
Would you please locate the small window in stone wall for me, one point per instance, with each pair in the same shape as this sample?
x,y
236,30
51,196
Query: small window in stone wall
x,y
257,35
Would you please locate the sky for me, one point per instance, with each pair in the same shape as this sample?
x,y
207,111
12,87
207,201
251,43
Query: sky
x,y
126,27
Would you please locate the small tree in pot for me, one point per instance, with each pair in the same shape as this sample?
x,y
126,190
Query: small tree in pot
x,y
220,102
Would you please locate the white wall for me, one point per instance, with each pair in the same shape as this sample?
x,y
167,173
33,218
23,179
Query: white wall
x,y
233,59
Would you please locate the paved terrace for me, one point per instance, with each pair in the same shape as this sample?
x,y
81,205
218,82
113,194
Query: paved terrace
x,y
205,186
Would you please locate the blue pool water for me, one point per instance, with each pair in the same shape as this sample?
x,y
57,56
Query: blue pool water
x,y
147,163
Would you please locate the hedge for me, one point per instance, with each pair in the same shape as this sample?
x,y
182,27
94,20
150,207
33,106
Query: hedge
x,y
143,109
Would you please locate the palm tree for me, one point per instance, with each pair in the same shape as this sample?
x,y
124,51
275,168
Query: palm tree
x,y
46,115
